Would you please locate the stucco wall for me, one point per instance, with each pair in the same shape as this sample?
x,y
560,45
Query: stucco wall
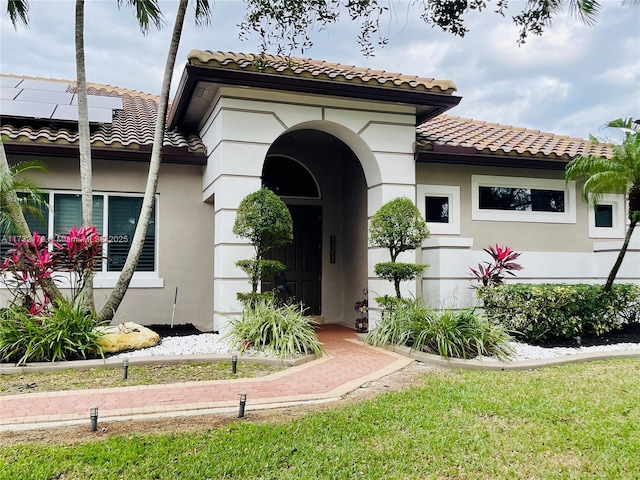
x,y
522,236
551,252
240,130
184,239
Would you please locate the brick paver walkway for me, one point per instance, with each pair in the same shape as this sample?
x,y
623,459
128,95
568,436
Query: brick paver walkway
x,y
347,365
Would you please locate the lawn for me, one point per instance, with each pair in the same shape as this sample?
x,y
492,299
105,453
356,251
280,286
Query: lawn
x,y
572,421
70,379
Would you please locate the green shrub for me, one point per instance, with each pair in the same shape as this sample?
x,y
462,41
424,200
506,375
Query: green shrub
x,y
463,334
280,330
64,333
460,334
402,320
543,311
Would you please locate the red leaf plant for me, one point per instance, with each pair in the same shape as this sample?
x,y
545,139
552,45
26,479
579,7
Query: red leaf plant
x,y
29,261
493,273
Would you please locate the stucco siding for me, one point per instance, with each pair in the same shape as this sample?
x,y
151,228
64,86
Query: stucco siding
x,y
185,233
522,235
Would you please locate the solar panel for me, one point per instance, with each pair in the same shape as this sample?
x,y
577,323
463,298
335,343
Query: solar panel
x,y
70,113
13,108
8,93
47,85
9,81
65,112
44,99
45,96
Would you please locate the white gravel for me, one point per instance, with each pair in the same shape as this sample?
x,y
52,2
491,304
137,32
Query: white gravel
x,y
530,352
210,343
204,343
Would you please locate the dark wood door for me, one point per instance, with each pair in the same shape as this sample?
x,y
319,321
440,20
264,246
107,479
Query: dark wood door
x,y
303,258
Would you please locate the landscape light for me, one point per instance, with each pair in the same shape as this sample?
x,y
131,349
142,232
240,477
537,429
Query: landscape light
x,y
125,368
243,402
234,363
93,415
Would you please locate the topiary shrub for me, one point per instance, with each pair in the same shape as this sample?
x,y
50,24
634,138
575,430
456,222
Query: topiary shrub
x,y
537,312
398,226
264,220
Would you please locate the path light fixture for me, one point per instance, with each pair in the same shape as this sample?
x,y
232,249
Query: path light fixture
x,y
234,363
579,340
93,415
125,368
243,402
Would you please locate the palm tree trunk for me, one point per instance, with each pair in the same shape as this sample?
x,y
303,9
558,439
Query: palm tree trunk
x,y
623,251
10,199
22,228
114,300
85,295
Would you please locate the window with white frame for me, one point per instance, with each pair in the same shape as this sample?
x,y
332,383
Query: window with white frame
x,y
115,217
440,207
522,199
607,218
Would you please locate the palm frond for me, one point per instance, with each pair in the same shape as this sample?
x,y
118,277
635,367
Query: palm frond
x,y
147,13
18,11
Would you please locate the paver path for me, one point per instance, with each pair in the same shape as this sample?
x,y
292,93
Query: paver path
x,y
347,365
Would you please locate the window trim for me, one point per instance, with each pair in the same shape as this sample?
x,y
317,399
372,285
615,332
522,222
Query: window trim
x,y
568,216
617,230
452,192
104,278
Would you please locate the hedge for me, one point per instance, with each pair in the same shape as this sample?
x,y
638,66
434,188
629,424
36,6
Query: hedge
x,y
534,312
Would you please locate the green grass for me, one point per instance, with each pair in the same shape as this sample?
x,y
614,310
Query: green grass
x,y
138,375
573,421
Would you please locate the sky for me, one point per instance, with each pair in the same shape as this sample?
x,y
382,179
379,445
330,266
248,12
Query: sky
x,y
570,81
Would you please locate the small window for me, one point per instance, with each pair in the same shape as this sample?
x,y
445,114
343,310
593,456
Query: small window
x,y
604,216
440,207
437,209
607,219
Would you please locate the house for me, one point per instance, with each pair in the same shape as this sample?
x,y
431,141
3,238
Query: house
x,y
335,142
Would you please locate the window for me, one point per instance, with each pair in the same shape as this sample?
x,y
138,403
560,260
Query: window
x,y
522,199
604,216
115,218
123,215
607,219
437,209
440,207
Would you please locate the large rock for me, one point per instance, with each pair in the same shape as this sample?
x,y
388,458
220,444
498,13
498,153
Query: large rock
x,y
126,336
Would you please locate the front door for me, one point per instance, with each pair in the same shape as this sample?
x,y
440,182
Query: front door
x,y
303,258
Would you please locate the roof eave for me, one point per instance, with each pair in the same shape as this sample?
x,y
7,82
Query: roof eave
x,y
173,155
432,104
463,156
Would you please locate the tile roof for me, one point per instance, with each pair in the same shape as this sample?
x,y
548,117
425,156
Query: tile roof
x,y
318,69
495,139
132,127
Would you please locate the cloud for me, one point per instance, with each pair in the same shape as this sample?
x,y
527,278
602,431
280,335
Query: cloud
x,y
569,81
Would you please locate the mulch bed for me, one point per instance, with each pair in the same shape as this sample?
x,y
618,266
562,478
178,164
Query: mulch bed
x,y
181,330
628,334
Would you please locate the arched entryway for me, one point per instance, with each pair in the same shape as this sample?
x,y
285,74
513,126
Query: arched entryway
x,y
301,281
322,182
